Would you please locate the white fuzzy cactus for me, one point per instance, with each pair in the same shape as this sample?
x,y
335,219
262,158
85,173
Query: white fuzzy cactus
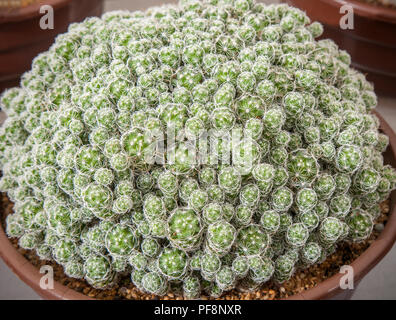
x,y
292,165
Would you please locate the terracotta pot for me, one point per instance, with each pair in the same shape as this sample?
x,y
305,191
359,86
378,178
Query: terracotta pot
x,y
22,39
372,43
325,290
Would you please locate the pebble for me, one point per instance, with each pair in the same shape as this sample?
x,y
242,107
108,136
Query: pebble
x,y
379,227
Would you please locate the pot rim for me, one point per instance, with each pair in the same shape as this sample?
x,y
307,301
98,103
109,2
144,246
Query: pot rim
x,y
373,254
377,12
324,290
30,11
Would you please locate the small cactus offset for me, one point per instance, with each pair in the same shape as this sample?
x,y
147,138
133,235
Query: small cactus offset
x,y
96,152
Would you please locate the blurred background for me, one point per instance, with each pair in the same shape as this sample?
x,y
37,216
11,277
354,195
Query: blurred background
x,y
372,45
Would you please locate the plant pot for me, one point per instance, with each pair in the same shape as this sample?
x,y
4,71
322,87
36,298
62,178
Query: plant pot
x,y
327,289
372,42
23,39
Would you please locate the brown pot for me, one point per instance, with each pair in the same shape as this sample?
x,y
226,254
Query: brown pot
x,y
372,43
325,290
22,39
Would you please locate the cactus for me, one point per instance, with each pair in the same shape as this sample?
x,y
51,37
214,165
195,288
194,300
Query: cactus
x,y
201,146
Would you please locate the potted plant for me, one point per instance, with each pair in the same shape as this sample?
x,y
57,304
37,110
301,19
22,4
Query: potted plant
x,y
371,42
23,38
113,182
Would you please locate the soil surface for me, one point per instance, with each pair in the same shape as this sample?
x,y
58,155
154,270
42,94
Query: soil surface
x,y
302,280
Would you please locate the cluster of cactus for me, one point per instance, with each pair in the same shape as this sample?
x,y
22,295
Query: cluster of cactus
x,y
93,190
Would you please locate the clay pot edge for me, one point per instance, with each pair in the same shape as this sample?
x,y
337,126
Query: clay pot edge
x,y
386,14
